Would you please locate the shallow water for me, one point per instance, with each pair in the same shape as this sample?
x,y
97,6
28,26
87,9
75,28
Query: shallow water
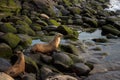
x,y
89,36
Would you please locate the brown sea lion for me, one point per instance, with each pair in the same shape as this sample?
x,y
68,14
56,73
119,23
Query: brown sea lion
x,y
18,67
48,47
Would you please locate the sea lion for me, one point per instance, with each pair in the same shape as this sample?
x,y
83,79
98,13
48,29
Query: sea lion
x,y
48,47
18,67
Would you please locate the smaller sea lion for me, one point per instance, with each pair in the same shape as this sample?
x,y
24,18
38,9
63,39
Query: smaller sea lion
x,y
18,67
48,47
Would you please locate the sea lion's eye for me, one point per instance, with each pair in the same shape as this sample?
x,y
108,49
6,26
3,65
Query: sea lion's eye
x,y
11,72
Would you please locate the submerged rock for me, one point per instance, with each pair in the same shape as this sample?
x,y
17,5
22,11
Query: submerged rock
x,y
110,75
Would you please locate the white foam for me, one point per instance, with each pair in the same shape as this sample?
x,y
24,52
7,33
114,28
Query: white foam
x,y
114,5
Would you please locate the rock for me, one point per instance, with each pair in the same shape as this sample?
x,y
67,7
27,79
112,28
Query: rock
x,y
8,7
70,49
110,29
101,40
5,50
29,76
45,58
92,21
63,10
11,39
75,58
80,69
26,19
110,75
44,16
41,22
24,28
4,76
54,22
1,34
46,6
62,59
69,32
45,72
25,40
61,77
74,10
104,67
36,27
4,64
7,27
31,66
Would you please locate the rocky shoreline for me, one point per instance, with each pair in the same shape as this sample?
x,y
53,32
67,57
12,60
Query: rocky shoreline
x,y
22,21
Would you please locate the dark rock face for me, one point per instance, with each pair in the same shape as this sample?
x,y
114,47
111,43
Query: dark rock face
x,y
80,69
4,64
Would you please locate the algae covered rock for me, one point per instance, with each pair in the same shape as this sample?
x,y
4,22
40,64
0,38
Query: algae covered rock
x,y
69,32
25,40
36,27
75,10
31,65
5,50
7,27
110,29
69,48
91,21
26,19
54,22
11,39
24,28
9,7
62,59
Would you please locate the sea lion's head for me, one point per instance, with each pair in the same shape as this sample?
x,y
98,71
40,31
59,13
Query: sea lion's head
x,y
59,35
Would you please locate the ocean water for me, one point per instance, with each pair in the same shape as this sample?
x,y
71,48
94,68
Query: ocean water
x,y
114,5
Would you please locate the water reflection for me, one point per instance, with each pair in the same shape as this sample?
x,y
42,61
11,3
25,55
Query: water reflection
x,y
87,35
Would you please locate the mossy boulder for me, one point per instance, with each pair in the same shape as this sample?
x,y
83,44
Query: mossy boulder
x,y
11,39
69,48
54,22
31,65
110,29
25,40
36,27
5,50
68,32
76,59
41,22
67,2
9,7
62,59
75,10
91,21
26,19
47,6
24,28
7,27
